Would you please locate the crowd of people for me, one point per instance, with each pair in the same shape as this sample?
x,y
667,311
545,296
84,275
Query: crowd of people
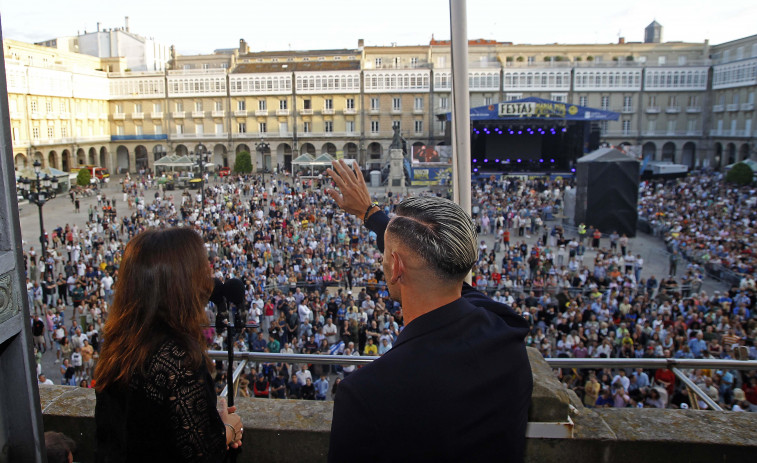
x,y
314,284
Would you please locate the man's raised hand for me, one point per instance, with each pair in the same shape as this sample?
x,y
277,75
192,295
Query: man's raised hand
x,y
352,194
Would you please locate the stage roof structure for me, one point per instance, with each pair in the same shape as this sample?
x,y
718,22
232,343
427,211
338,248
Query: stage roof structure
x,y
533,108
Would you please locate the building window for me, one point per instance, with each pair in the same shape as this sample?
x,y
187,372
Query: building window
x,y
137,107
350,103
262,105
375,104
157,107
35,133
179,129
199,129
603,127
242,127
627,103
443,102
262,127
119,107
652,100
63,106
49,106
582,100
693,101
306,127
626,127
51,132
198,105
605,102
328,103
241,105
488,100
396,124
219,129
413,62
328,126
661,60
673,100
378,62
396,104
531,60
418,126
179,107
138,130
282,104
350,126
158,130
374,126
119,130
33,105
560,97
418,103
64,131
219,105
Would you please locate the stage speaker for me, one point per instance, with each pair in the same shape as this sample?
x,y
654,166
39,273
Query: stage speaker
x,y
607,190
594,136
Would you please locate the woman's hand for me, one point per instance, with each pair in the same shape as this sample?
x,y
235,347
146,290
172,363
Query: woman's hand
x,y
231,419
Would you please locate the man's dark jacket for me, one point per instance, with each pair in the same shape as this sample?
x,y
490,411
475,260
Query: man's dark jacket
x,y
456,386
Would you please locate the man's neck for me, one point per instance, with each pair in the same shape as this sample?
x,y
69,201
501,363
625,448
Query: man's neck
x,y
417,302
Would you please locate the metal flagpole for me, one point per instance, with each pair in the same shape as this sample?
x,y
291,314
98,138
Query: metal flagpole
x,y
460,105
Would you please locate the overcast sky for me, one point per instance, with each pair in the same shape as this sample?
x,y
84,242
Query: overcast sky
x,y
196,26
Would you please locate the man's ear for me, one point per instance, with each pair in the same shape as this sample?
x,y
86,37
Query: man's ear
x,y
398,266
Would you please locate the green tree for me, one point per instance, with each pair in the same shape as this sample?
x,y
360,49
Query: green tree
x,y
83,177
740,174
243,164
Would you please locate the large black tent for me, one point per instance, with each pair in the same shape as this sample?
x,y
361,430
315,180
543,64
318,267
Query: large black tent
x,y
607,190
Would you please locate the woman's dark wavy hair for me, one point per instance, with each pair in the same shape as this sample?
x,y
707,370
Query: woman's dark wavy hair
x,y
163,286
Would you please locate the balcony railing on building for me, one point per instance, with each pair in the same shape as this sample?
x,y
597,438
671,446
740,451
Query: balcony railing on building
x,y
218,113
119,116
718,108
156,115
694,109
673,109
137,116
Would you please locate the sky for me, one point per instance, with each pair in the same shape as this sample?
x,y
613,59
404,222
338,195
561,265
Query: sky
x,y
195,26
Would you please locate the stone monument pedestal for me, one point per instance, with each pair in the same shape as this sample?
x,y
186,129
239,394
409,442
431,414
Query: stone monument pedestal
x,y
396,181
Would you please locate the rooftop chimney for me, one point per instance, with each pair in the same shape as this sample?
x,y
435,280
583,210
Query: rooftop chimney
x,y
621,40
127,23
360,43
98,26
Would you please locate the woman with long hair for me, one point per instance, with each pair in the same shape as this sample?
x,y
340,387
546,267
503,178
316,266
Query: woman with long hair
x,y
155,397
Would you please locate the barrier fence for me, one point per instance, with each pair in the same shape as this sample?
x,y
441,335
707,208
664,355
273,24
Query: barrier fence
x,y
675,365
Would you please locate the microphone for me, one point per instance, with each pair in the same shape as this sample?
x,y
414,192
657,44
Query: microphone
x,y
216,297
233,290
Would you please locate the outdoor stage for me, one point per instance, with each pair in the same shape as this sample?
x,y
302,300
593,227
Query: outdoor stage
x,y
533,135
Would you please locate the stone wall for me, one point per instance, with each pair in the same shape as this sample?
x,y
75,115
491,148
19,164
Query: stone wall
x,y
294,430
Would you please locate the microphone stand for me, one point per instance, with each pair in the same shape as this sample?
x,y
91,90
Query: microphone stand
x,y
231,455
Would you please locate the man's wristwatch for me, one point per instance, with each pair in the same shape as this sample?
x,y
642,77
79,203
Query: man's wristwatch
x,y
370,208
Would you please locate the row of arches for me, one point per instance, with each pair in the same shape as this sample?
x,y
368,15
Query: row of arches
x,y
63,160
723,154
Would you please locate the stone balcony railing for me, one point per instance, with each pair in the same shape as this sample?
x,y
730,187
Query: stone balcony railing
x,y
560,428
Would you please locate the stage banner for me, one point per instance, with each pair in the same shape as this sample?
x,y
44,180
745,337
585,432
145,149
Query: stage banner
x,y
539,108
431,174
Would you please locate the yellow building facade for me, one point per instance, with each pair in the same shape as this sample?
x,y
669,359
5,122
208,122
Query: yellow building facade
x,y
691,103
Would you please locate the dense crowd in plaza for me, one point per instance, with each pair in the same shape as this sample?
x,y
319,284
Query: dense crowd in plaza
x,y
313,282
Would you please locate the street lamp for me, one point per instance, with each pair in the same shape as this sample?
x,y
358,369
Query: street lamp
x,y
262,148
45,189
201,159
